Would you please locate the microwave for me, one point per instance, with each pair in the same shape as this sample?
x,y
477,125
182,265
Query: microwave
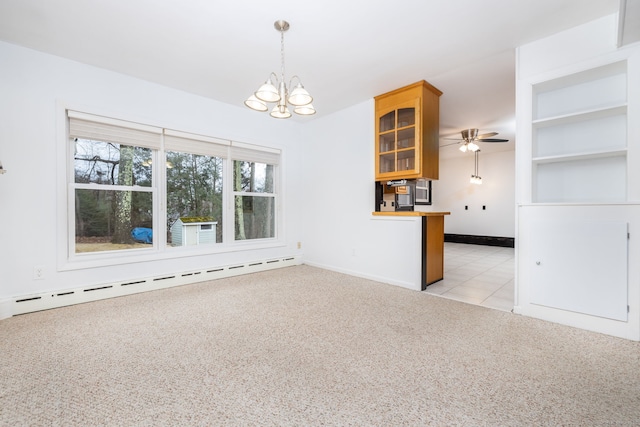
x,y
405,197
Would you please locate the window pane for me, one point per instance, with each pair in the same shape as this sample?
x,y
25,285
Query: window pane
x,y
107,163
108,220
252,177
194,199
254,217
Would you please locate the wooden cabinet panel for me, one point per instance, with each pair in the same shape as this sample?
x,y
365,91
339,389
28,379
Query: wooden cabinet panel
x,y
406,131
433,227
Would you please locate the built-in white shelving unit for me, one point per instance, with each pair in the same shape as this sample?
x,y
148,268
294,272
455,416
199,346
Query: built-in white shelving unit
x,y
578,180
579,141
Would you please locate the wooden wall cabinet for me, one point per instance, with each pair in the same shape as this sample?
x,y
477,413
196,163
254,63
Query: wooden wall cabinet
x,y
407,127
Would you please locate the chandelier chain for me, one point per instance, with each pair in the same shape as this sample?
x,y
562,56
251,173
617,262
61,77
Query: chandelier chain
x,y
282,54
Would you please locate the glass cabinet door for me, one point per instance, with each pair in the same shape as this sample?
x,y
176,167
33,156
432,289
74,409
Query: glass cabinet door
x,y
388,122
397,141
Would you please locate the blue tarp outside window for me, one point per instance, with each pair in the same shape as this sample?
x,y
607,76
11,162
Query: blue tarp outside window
x,y
142,235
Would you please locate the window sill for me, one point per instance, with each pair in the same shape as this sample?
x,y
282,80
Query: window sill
x,y
96,260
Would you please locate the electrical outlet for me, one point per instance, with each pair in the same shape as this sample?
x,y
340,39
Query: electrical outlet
x,y
38,272
299,245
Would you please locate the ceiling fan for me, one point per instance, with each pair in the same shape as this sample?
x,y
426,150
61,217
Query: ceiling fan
x,y
470,137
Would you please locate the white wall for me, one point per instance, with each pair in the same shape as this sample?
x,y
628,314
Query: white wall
x,y
453,191
33,87
340,232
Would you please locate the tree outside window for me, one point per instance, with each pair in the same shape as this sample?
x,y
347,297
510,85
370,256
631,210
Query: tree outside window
x,y
113,195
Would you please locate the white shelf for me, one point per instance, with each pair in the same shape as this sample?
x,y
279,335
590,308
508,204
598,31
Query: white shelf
x,y
580,116
586,76
579,151
580,156
594,89
588,179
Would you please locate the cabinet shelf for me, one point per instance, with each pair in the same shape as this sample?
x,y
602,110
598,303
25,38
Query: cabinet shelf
x,y
593,89
593,114
580,156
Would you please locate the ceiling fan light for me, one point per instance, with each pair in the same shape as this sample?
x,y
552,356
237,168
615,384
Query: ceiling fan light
x,y
305,110
463,148
469,134
299,96
473,146
280,113
256,104
475,179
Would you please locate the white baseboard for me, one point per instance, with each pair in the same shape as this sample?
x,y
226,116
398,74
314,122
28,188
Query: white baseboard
x,y
5,308
60,298
381,279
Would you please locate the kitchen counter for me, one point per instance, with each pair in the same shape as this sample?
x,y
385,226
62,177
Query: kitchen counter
x,y
411,213
431,243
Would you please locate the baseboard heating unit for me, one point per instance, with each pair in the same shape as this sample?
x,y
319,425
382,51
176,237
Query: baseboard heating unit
x,y
54,299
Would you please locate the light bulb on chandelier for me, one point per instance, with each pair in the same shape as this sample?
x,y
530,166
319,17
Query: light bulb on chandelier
x,y
299,98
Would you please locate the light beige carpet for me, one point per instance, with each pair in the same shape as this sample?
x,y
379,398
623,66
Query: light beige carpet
x,y
303,346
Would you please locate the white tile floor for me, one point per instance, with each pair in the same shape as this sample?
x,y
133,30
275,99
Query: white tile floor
x,y
475,274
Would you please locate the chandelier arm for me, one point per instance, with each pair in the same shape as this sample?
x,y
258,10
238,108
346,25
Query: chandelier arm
x,y
275,77
292,78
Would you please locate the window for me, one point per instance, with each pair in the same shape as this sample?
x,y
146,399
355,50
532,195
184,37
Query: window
x,y
254,192
141,188
109,201
254,200
112,183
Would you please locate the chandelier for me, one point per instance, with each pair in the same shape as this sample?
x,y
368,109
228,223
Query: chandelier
x,y
299,98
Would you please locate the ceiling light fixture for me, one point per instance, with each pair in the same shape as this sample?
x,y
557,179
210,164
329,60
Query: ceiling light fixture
x,y
475,178
469,146
299,98
469,135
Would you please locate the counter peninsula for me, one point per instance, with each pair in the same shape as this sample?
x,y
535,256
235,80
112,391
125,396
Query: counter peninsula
x,y
432,245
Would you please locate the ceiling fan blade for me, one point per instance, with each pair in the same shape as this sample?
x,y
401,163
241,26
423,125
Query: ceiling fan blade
x,y
487,135
493,140
451,143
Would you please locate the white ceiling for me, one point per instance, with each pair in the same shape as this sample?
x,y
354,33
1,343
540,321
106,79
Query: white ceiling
x,y
346,52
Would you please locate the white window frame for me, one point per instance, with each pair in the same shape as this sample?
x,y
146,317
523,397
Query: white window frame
x,y
248,153
69,260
